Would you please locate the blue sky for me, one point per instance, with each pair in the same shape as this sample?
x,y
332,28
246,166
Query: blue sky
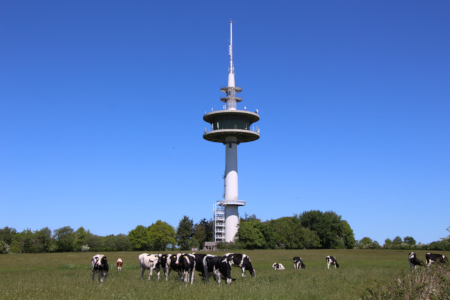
x,y
101,106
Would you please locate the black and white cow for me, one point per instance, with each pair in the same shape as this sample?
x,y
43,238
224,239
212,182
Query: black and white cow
x,y
150,262
199,264
218,266
242,261
331,260
434,258
298,263
100,265
276,266
169,261
187,266
414,262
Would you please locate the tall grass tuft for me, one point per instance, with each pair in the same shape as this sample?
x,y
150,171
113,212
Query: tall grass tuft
x,y
424,283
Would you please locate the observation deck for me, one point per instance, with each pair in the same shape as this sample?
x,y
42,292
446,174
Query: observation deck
x,y
231,122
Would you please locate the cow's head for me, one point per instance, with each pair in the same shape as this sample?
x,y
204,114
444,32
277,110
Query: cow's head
x,y
225,268
177,261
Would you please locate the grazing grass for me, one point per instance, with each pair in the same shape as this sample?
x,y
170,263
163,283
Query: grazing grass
x,y
68,276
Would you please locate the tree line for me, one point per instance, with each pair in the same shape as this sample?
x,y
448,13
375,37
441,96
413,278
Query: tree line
x,y
310,230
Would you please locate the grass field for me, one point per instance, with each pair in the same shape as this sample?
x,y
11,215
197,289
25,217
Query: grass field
x,y
68,276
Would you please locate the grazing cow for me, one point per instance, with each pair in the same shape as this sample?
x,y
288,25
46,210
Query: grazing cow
x,y
276,266
149,262
331,260
100,265
433,258
242,261
186,263
414,262
119,264
219,267
169,262
298,263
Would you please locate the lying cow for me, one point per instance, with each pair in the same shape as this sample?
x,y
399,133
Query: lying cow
x,y
298,263
331,260
434,258
100,265
242,261
218,266
149,262
414,262
119,264
276,266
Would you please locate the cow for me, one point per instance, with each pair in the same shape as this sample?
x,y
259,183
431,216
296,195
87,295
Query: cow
x,y
414,262
276,266
433,258
149,262
100,265
242,261
119,264
169,263
331,260
218,266
199,264
186,263
298,263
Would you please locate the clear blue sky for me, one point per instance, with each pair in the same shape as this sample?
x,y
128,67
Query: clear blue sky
x,y
101,106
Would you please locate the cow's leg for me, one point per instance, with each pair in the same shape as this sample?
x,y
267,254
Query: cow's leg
x,y
217,275
100,276
150,273
93,275
142,273
180,275
167,273
105,274
192,275
243,271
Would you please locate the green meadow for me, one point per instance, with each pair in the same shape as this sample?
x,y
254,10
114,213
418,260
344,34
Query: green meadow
x,y
68,276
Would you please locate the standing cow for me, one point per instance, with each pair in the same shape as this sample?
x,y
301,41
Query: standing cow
x,y
100,265
149,262
119,264
298,263
242,261
433,258
331,260
186,263
219,267
414,262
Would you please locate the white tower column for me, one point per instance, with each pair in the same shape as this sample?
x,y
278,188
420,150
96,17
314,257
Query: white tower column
x,y
231,174
231,188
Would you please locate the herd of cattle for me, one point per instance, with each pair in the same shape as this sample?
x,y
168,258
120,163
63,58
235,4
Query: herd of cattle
x,y
217,266
430,258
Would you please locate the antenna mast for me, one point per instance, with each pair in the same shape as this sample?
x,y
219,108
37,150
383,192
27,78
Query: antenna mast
x,y
231,69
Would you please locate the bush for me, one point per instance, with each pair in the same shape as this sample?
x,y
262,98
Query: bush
x,y
425,283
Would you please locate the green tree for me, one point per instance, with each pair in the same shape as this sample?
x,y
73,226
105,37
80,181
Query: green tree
x,y
94,242
203,231
289,232
80,235
7,235
43,240
366,241
332,231
122,243
250,235
65,239
185,231
139,238
161,235
409,240
397,240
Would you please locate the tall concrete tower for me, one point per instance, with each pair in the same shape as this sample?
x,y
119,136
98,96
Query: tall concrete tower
x,y
230,127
